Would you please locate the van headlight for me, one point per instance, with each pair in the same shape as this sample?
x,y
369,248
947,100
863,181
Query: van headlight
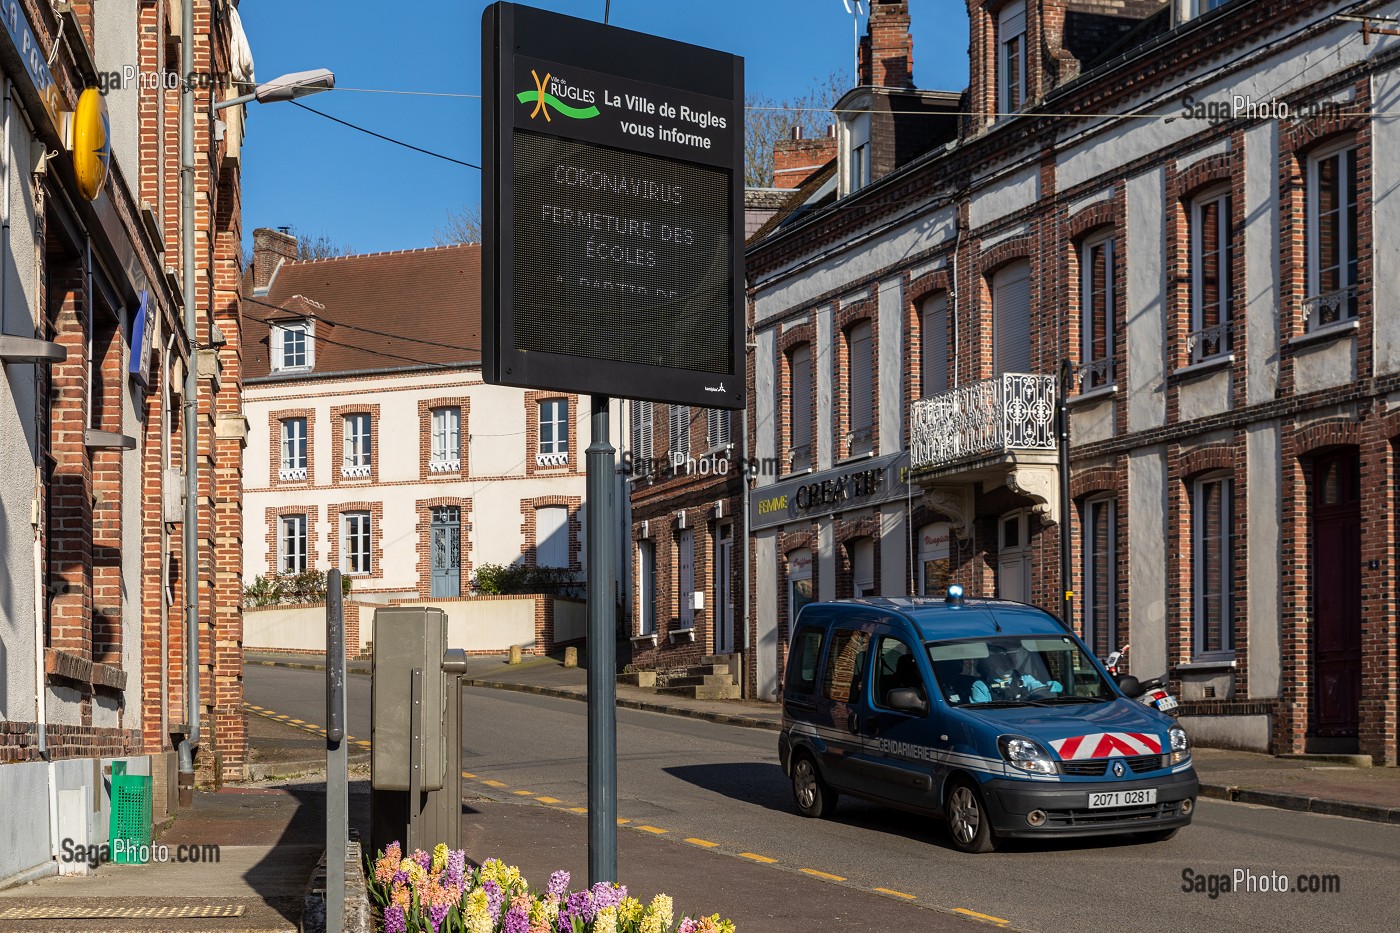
x,y
1026,754
1181,746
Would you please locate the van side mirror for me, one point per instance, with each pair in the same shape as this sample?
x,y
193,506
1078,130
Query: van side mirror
x,y
1130,685
906,700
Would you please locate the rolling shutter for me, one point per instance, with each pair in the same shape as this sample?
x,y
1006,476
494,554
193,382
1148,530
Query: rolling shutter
x,y
1011,319
935,345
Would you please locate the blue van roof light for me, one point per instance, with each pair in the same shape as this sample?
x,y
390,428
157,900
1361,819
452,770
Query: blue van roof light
x,y
955,595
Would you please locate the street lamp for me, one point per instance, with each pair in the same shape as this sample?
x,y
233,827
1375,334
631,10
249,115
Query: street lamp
x,y
288,87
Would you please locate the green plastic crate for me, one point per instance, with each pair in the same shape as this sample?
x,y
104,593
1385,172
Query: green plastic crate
x,y
131,816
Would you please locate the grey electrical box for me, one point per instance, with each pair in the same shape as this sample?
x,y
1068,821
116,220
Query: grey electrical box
x,y
408,638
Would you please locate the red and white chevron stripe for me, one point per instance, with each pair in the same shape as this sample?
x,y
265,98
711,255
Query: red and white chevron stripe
x,y
1106,744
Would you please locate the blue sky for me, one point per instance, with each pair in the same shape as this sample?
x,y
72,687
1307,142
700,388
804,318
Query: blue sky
x,y
303,171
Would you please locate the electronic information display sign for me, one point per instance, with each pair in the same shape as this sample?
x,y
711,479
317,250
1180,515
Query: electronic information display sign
x,y
612,202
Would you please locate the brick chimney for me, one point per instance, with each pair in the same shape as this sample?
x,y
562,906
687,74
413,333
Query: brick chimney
x,y
796,159
270,247
887,48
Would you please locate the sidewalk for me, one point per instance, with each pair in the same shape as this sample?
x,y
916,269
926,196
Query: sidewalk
x,y
1316,785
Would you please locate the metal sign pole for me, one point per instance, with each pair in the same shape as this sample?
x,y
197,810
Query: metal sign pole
x,y
1066,503
337,762
602,650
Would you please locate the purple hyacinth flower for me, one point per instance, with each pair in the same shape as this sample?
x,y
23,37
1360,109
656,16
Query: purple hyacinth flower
x,y
517,920
423,858
581,903
606,895
494,898
558,883
400,877
436,915
394,921
456,867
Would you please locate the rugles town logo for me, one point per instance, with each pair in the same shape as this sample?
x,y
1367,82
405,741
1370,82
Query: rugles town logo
x,y
553,92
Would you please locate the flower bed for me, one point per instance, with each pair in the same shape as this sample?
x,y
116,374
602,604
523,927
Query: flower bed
x,y
438,893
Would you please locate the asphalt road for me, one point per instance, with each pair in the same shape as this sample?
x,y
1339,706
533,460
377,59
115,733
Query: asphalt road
x,y
703,783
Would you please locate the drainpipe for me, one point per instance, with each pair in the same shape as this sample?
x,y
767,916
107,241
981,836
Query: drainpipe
x,y
190,741
744,524
165,399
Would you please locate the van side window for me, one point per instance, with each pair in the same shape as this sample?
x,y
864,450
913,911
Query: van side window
x,y
895,667
846,666
806,652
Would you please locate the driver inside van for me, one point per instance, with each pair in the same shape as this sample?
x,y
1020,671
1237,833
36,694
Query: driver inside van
x,y
1002,681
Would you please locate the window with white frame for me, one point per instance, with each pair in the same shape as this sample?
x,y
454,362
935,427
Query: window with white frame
x,y
291,544
1100,580
646,587
293,463
854,164
933,328
799,413
679,440
862,556
860,394
1212,249
1096,308
1332,237
292,346
446,454
552,536
717,430
354,542
1011,58
554,433
1212,552
355,460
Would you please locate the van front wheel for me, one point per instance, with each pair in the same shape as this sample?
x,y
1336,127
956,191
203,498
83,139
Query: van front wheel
x,y
966,816
814,798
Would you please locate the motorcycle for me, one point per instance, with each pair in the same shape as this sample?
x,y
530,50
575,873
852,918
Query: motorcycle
x,y
1151,693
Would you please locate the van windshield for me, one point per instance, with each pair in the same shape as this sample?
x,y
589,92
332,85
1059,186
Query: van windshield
x,y
1016,670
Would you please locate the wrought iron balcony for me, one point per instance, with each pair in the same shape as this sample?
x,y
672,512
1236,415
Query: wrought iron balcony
x,y
1330,307
994,417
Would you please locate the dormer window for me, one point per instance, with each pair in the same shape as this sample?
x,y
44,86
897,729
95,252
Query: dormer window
x,y
1011,58
292,346
854,161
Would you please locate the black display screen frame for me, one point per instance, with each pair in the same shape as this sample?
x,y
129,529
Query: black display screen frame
x,y
518,45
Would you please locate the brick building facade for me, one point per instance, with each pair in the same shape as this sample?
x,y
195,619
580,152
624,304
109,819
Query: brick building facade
x,y
94,351
1214,272
377,448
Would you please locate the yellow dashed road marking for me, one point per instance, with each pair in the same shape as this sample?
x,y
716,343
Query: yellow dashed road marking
x,y
522,793
621,821
297,721
547,799
578,809
468,774
987,917
651,829
702,842
494,783
821,874
757,858
907,897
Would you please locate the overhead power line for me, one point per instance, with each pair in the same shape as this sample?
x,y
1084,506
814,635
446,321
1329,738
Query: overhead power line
x,y
368,330
387,139
350,346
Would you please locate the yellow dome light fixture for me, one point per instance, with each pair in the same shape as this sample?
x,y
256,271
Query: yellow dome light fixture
x,y
91,141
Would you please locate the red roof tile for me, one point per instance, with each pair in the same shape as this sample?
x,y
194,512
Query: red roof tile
x,y
375,311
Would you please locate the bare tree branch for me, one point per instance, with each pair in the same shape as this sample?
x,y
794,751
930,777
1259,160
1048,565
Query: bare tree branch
x,y
767,121
462,226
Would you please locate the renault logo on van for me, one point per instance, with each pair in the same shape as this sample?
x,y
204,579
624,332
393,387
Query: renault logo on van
x,y
1118,769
